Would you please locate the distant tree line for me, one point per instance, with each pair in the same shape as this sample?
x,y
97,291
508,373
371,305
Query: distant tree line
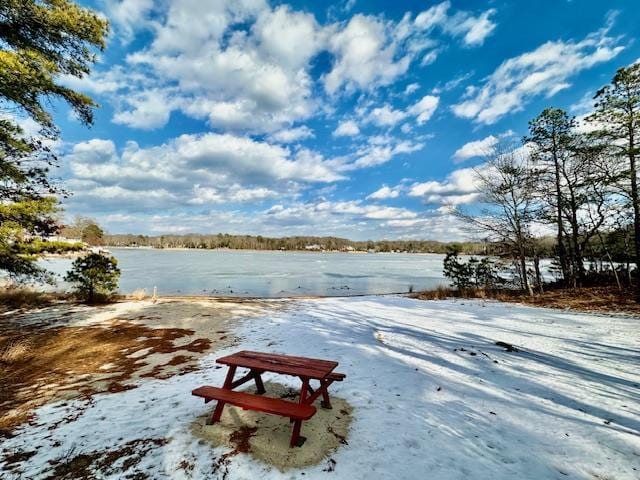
x,y
577,180
84,229
300,243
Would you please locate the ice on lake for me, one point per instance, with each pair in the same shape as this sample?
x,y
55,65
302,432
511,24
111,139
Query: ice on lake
x,y
268,274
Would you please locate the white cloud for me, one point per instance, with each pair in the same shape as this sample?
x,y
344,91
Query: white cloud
x,y
370,52
241,156
238,65
429,57
235,193
148,110
245,66
346,128
452,84
480,148
460,187
95,151
384,193
206,169
436,225
324,210
287,37
98,82
412,87
293,219
477,148
366,55
128,16
292,135
424,109
377,154
473,29
223,168
248,69
386,116
432,17
543,71
31,129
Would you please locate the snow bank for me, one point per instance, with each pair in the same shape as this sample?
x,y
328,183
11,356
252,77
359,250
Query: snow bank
x,y
433,396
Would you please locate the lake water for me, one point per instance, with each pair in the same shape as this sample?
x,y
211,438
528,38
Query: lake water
x,y
268,274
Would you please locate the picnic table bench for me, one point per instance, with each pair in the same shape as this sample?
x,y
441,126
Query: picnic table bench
x,y
306,369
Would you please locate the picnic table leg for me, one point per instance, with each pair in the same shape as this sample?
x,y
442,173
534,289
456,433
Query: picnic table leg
x,y
217,413
296,439
325,403
259,385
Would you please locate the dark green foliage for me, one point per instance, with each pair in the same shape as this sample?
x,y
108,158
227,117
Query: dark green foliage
x,y
42,40
17,220
459,272
95,276
617,117
551,134
473,273
485,273
85,229
92,234
38,247
39,42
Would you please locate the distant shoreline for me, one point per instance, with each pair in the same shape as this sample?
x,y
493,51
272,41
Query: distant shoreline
x,y
225,241
253,250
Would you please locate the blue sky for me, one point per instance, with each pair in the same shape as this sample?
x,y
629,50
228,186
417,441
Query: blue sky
x,y
358,119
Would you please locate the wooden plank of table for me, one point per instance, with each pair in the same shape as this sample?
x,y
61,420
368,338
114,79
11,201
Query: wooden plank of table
x,y
285,364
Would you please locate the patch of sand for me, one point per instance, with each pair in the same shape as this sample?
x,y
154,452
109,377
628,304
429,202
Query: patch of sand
x,y
266,437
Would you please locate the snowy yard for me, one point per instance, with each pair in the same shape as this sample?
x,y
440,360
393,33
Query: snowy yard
x,y
433,397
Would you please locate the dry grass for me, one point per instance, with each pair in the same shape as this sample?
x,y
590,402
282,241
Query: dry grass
x,y
442,293
16,350
605,299
587,299
13,298
105,463
39,364
139,294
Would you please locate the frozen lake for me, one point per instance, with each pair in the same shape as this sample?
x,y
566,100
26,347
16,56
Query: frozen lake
x,y
268,274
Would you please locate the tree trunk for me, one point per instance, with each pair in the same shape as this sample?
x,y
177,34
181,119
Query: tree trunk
x,y
536,266
562,252
523,270
610,259
579,273
636,210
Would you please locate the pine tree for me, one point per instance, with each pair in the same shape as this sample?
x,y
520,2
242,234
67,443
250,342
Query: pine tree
x,y
95,276
617,117
40,40
551,135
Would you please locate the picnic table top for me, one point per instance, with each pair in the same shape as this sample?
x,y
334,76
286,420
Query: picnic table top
x,y
286,364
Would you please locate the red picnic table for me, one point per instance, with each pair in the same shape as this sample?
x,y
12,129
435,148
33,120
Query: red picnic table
x,y
306,369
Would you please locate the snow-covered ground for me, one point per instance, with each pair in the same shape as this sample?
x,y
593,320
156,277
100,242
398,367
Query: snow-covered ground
x,y
433,396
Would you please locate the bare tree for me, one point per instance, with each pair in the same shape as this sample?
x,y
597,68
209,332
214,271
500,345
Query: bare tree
x,y
506,182
588,196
